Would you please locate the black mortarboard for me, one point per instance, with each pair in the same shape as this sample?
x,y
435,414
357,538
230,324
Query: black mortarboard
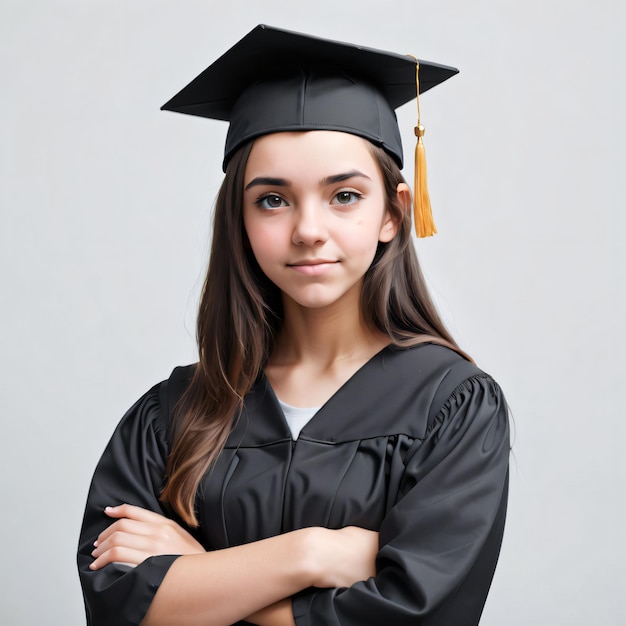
x,y
275,80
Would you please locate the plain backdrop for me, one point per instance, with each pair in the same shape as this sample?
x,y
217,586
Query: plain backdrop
x,y
105,208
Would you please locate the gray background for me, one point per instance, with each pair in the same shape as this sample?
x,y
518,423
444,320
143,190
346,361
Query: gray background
x,y
104,229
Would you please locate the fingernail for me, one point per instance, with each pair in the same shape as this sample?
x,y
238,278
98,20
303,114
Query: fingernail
x,y
95,543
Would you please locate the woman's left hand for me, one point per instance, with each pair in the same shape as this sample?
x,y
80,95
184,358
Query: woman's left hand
x,y
138,534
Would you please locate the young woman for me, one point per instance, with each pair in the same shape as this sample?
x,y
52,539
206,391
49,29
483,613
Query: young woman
x,y
334,457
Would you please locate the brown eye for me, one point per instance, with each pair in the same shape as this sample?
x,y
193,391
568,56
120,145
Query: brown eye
x,y
347,197
271,201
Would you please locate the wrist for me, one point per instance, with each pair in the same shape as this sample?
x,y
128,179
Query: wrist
x,y
309,555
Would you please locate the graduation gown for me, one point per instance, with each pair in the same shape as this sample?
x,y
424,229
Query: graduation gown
x,y
415,445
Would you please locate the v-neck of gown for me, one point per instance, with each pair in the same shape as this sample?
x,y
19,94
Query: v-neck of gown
x,y
364,365
352,412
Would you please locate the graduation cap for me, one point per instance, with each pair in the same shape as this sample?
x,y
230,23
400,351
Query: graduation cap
x,y
276,80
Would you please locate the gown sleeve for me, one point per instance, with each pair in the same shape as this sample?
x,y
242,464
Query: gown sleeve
x,y
131,470
439,543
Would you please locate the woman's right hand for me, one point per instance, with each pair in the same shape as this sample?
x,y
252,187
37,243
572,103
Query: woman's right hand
x,y
138,534
343,557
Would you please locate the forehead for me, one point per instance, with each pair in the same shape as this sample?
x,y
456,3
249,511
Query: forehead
x,y
310,152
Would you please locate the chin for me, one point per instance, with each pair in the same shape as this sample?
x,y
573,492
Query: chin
x,y
313,302
323,299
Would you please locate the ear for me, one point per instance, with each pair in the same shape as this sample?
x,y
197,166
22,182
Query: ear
x,y
389,228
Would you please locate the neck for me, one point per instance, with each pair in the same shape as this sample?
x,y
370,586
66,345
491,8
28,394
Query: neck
x,y
325,335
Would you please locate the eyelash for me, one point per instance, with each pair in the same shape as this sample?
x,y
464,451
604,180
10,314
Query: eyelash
x,y
261,200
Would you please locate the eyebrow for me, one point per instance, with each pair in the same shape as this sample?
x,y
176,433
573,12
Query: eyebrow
x,y
338,178
282,182
266,180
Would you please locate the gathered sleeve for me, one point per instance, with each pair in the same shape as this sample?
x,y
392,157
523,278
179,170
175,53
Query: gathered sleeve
x,y
131,470
439,543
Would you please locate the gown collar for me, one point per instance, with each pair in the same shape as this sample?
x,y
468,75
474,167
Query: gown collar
x,y
384,396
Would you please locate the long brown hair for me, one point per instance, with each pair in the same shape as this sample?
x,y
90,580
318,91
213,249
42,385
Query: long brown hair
x,y
240,315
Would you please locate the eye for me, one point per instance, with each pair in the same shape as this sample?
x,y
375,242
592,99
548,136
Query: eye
x,y
347,197
270,201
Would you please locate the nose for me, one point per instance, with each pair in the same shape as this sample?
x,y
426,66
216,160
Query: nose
x,y
310,226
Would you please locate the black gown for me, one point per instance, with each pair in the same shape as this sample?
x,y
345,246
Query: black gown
x,y
414,445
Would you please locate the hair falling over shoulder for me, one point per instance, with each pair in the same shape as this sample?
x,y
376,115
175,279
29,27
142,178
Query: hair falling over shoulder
x,y
395,298
240,314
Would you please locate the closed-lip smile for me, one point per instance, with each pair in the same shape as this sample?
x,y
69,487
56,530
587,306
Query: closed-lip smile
x,y
313,267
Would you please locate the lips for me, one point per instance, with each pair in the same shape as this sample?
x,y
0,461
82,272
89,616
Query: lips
x,y
313,267
311,262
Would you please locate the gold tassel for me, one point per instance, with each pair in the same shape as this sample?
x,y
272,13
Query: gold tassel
x,y
422,211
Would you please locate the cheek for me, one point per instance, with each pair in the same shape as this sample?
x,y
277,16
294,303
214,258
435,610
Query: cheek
x,y
359,249
261,240
366,237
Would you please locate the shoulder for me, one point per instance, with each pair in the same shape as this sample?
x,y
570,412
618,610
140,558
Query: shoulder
x,y
172,389
430,357
153,411
430,369
419,382
457,392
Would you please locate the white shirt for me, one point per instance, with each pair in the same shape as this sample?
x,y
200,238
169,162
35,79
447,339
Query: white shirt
x,y
297,417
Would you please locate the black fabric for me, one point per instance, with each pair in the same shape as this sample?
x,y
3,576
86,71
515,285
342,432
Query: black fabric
x,y
311,99
130,470
414,445
276,80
